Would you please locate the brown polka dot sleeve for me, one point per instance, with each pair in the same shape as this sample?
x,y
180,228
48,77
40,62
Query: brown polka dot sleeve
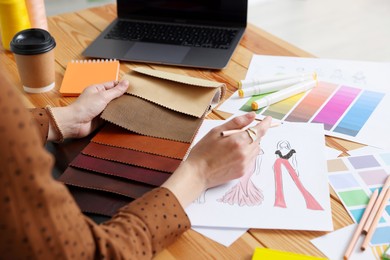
x,y
40,220
42,122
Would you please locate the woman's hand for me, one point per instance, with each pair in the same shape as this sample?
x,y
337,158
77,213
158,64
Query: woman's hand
x,y
80,118
217,159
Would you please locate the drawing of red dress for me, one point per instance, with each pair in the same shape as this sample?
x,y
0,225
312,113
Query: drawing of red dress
x,y
281,159
245,191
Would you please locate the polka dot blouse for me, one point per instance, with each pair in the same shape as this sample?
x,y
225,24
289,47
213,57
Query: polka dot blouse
x,y
39,218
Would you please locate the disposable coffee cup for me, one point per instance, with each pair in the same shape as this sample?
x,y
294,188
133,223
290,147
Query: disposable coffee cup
x,y
34,54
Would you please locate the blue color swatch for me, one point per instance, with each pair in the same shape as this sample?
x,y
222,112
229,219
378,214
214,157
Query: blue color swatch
x,y
359,113
381,236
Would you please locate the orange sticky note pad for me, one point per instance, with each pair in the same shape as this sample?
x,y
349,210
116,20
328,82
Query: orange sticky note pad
x,y
80,74
265,253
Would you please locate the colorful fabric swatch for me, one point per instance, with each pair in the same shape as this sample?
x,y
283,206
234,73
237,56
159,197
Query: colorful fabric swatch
x,y
86,179
143,117
129,172
132,157
98,202
117,136
354,179
151,129
188,95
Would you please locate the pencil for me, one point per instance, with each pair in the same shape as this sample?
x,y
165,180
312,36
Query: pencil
x,y
378,215
366,226
359,228
234,131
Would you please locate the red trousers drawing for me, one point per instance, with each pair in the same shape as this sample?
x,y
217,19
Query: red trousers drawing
x,y
311,202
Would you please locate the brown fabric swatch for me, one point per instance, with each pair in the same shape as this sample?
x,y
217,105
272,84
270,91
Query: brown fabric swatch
x,y
86,179
187,95
130,172
132,157
143,117
98,202
117,136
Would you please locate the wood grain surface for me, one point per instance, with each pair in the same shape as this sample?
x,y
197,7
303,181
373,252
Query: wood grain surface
x,y
75,31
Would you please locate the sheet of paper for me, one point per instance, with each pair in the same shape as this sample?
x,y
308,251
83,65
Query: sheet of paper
x,y
224,236
364,150
299,202
354,179
334,244
332,153
352,99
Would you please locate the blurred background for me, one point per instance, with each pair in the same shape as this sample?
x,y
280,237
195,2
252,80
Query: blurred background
x,y
335,29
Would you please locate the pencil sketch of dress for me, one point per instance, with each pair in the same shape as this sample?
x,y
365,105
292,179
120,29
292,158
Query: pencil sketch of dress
x,y
245,191
285,156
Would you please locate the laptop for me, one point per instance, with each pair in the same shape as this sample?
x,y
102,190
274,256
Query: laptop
x,y
192,33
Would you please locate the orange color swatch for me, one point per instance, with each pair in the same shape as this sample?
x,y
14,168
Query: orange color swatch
x,y
81,74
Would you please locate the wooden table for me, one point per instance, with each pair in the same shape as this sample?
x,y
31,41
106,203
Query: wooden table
x,y
73,33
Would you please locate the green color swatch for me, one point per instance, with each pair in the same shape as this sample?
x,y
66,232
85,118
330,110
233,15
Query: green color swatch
x,y
354,198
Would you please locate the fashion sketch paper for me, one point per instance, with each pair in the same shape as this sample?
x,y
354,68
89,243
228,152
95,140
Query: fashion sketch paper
x,y
285,188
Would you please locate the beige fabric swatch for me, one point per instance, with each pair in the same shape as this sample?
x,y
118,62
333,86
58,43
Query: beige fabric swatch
x,y
188,95
143,117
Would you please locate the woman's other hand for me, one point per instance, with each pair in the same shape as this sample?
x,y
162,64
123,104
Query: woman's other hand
x,y
80,118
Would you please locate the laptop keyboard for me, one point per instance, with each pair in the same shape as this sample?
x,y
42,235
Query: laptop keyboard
x,y
194,36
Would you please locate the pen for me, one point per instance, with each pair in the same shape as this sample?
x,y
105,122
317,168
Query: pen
x,y
273,86
378,215
283,94
257,81
359,228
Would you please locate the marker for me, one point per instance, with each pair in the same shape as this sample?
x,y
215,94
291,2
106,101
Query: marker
x,y
258,81
283,94
273,86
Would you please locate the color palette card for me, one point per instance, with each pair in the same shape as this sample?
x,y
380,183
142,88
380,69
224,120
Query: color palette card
x,y
351,99
354,179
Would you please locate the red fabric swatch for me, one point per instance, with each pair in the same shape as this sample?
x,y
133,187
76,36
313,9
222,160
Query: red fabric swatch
x,y
130,172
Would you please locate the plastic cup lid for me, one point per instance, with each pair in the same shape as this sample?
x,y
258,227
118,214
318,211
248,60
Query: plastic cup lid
x,y
32,41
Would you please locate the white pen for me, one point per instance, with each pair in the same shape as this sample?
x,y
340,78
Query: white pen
x,y
261,80
273,86
283,94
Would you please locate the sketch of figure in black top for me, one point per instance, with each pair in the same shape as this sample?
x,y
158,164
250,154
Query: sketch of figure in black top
x,y
285,156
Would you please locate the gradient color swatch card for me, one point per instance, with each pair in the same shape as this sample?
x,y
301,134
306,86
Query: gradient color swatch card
x,y
351,99
354,179
285,188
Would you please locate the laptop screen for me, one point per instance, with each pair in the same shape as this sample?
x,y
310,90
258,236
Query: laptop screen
x,y
215,12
